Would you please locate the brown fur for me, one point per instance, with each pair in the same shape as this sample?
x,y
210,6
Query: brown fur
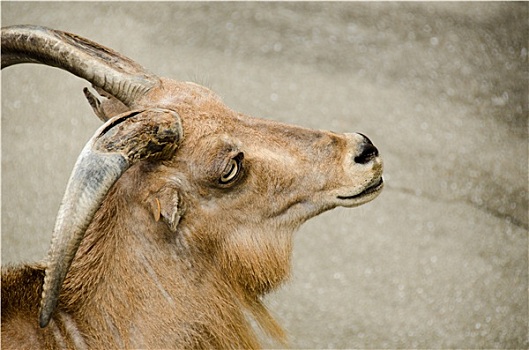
x,y
173,258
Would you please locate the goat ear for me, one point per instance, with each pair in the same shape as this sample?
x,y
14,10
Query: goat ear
x,y
106,108
156,209
166,205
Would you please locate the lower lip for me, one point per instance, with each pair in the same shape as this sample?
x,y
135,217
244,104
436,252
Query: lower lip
x,y
367,191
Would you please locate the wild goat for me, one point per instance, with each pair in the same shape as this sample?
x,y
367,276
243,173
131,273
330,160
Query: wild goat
x,y
179,213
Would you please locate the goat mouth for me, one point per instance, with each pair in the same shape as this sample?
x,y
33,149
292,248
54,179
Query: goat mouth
x,y
374,188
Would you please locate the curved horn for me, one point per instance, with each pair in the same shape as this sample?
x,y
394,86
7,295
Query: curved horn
x,y
119,143
116,74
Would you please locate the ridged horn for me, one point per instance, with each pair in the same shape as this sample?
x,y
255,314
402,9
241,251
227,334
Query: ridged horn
x,y
103,67
118,144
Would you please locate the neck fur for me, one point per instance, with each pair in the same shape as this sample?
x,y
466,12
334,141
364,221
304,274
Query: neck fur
x,y
129,287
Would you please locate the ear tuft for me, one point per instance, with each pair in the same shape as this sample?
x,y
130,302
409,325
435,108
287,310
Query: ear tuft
x,y
166,205
171,213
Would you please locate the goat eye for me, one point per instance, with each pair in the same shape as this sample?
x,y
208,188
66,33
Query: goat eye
x,y
231,171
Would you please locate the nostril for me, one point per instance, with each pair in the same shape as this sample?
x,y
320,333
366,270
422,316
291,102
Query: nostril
x,y
367,153
366,138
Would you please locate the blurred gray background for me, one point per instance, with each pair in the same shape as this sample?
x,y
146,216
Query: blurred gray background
x,y
439,260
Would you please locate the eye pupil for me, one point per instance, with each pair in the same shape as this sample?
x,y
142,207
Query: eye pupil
x,y
230,172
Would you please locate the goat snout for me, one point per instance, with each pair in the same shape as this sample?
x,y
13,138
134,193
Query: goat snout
x,y
366,151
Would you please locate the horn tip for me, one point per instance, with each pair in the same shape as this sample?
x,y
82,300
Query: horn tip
x,y
48,303
44,318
